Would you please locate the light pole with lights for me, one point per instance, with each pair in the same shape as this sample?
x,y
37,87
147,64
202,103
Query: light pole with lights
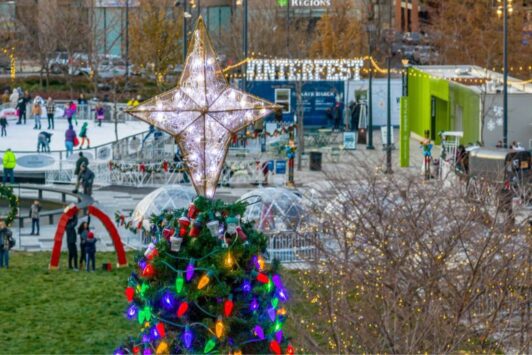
x,y
504,9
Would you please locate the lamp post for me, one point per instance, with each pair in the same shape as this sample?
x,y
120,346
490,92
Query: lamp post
x,y
245,41
370,29
389,121
504,10
127,41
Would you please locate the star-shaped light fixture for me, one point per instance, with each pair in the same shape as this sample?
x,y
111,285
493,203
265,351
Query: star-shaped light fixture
x,y
202,113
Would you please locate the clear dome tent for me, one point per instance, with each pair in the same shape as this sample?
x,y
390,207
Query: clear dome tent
x,y
274,209
164,198
279,213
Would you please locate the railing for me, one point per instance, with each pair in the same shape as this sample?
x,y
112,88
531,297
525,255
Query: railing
x,y
67,197
292,247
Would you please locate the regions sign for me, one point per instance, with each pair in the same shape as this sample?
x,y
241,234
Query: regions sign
x,y
305,3
35,161
304,69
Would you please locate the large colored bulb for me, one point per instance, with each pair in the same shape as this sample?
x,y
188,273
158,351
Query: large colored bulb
x,y
204,281
260,262
228,307
189,272
262,278
179,283
272,314
246,286
219,328
168,301
209,346
132,312
148,271
259,332
277,281
187,338
160,329
254,305
275,347
229,260
290,350
130,293
182,310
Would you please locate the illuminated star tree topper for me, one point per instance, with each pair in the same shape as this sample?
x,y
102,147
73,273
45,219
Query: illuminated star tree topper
x,y
203,113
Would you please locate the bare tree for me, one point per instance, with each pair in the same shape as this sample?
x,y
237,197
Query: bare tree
x,y
409,267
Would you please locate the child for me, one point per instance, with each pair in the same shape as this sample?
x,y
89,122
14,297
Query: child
x,y
3,125
83,232
100,114
90,248
83,136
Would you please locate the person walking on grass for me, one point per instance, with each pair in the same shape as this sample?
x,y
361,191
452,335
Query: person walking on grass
x,y
6,243
10,162
71,242
35,215
50,110
83,136
83,232
82,160
90,248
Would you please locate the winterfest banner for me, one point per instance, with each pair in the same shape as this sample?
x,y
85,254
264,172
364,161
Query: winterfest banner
x,y
303,69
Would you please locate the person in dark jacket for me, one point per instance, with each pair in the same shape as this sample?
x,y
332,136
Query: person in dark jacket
x,y
6,242
87,179
90,248
21,107
82,160
43,141
50,110
83,232
35,215
71,242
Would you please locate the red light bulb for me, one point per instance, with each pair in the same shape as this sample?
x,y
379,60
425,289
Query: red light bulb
x,y
130,293
290,350
275,347
262,278
160,329
228,307
183,308
148,271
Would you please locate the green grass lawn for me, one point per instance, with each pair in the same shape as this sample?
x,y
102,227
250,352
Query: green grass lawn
x,y
62,311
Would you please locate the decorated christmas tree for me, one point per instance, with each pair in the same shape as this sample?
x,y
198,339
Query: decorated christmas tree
x,y
202,285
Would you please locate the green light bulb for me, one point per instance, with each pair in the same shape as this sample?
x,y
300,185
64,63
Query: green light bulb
x,y
179,282
278,326
209,346
269,286
275,302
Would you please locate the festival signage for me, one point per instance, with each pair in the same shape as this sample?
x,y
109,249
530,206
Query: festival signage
x,y
350,142
35,161
305,3
304,69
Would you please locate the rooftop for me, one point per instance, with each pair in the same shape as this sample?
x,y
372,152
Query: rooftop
x,y
477,78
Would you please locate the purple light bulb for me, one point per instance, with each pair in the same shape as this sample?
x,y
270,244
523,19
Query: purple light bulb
x,y
259,332
246,286
168,301
277,281
154,333
187,338
281,293
145,338
142,263
118,351
254,305
147,351
279,336
255,261
132,312
272,313
189,272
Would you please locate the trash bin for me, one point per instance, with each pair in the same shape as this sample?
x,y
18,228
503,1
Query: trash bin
x,y
315,161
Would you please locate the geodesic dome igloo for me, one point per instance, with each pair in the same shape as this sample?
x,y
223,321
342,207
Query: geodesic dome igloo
x,y
274,209
164,198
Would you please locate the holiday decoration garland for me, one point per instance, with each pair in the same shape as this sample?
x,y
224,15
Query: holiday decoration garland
x,y
6,192
164,167
202,286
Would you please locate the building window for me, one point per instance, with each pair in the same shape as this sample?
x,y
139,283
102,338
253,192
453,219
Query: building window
x,y
282,98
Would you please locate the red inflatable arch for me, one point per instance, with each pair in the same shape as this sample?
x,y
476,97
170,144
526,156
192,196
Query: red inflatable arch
x,y
106,221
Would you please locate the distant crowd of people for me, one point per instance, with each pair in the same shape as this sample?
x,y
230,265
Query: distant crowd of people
x,y
87,244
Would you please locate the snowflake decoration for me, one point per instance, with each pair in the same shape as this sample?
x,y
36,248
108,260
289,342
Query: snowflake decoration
x,y
491,125
203,113
499,121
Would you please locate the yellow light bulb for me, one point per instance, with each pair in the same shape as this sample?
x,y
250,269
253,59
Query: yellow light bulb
x,y
260,259
229,260
219,328
204,281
